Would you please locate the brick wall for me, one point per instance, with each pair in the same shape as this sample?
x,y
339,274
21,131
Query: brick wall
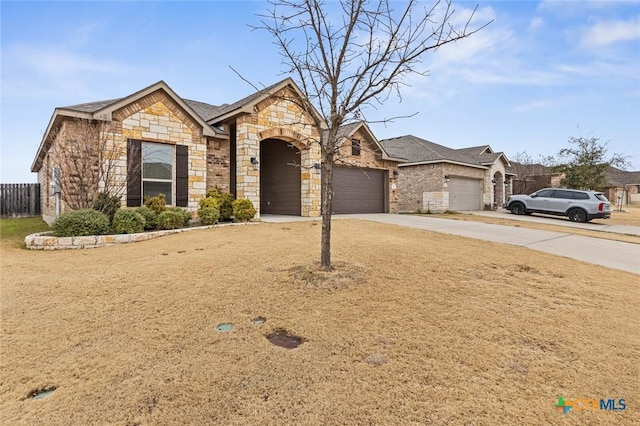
x,y
218,164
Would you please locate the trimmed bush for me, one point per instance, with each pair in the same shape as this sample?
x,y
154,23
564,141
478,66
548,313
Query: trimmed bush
x,y
127,221
78,223
107,204
158,204
170,220
186,216
243,210
150,217
223,202
209,215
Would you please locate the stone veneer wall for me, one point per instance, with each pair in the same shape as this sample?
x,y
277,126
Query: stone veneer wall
x,y
275,117
500,190
157,118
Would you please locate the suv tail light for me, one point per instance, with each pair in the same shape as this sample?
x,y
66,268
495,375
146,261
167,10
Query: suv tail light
x,y
600,207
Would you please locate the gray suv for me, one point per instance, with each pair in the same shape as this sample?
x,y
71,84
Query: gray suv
x,y
578,206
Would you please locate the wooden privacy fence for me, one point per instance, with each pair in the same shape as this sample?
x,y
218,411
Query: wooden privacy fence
x,y
19,199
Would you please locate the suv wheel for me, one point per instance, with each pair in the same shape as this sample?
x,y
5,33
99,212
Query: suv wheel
x,y
577,215
517,208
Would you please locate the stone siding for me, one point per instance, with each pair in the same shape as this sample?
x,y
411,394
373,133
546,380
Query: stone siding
x,y
277,118
157,118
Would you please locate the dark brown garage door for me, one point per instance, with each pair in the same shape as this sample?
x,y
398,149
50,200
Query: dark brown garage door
x,y
358,190
279,179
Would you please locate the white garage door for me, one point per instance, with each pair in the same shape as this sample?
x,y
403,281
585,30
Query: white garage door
x,y
465,194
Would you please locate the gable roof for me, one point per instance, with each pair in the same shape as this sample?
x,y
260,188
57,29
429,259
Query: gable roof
x,y
348,130
422,151
246,104
103,111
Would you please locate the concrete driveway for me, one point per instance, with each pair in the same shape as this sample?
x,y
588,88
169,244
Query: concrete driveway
x,y
612,254
595,225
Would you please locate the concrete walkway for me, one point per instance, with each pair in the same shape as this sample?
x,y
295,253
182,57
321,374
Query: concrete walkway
x,y
612,254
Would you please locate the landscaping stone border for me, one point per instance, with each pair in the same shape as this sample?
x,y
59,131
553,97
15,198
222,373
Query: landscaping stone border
x,y
47,241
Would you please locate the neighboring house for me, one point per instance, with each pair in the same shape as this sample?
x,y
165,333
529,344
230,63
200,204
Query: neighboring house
x,y
436,178
623,187
528,178
260,147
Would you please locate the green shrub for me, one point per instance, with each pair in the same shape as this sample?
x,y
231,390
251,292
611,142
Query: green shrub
x,y
150,217
107,204
223,202
243,210
127,221
79,223
158,203
186,216
209,215
170,220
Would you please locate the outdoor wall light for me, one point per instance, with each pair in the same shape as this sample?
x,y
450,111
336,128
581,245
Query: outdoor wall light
x,y
447,178
317,166
255,163
493,181
395,174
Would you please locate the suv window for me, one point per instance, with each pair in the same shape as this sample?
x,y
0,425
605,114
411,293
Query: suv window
x,y
581,196
601,197
570,195
547,193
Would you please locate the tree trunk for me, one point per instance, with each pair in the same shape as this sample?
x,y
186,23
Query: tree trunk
x,y
327,206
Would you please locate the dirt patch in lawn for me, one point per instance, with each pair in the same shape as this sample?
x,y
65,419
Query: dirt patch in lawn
x,y
429,329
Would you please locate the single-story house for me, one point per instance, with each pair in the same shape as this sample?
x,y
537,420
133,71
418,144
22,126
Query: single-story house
x,y
260,147
623,187
437,178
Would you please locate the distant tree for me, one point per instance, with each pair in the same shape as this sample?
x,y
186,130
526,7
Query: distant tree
x,y
530,175
585,165
352,54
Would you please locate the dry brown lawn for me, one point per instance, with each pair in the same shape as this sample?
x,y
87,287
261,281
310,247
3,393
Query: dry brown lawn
x,y
413,328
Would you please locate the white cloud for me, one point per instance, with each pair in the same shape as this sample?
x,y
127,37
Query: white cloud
x,y
536,23
534,105
609,32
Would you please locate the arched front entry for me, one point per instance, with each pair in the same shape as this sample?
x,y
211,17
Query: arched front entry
x,y
280,186
498,190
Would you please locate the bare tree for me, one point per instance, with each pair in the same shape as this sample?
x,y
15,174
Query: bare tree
x,y
530,175
85,158
355,61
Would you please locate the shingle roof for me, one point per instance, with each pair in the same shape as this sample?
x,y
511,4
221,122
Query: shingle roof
x,y
203,109
617,177
417,150
227,108
91,106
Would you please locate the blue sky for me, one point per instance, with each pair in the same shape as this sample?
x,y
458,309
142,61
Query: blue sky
x,y
539,74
